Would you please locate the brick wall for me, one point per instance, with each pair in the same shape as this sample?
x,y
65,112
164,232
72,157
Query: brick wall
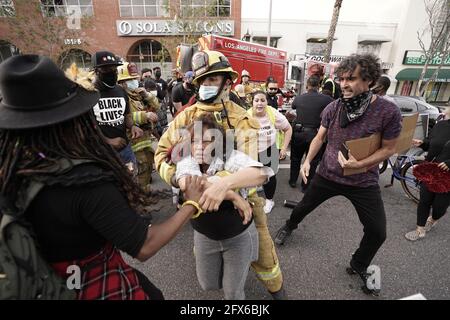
x,y
99,33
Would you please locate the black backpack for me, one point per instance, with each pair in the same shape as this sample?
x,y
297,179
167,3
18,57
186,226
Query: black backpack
x,y
24,273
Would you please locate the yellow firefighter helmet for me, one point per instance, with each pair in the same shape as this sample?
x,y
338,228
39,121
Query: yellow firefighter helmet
x,y
205,63
127,71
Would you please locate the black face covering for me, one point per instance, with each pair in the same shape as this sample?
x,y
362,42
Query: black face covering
x,y
158,74
354,108
110,78
190,86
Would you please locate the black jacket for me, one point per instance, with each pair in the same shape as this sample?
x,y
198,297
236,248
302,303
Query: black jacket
x,y
309,106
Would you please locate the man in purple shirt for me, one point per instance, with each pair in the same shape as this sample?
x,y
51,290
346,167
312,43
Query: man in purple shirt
x,y
357,114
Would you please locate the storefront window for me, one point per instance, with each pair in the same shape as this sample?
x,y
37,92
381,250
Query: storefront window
x,y
7,50
316,47
143,8
60,8
263,41
7,8
205,8
150,54
432,91
81,58
406,87
369,48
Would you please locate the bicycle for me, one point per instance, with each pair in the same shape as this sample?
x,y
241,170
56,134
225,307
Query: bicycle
x,y
402,170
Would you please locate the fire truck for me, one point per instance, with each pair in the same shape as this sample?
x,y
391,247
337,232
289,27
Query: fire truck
x,y
260,61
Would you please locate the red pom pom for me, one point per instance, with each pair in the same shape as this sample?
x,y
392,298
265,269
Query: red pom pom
x,y
434,178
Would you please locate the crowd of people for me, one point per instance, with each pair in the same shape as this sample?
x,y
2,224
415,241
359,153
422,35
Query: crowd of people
x,y
79,151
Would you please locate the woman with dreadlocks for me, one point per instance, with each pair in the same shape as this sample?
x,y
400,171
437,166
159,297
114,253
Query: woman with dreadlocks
x,y
58,174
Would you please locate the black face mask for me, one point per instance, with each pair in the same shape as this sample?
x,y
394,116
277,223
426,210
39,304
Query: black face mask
x,y
110,78
190,86
158,74
180,79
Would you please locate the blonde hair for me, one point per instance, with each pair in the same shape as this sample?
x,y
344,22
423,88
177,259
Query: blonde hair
x,y
81,77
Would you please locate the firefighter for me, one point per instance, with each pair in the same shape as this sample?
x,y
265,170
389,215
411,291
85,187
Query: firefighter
x,y
245,81
214,76
143,107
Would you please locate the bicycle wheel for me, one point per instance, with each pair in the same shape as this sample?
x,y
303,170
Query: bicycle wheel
x,y
409,183
382,166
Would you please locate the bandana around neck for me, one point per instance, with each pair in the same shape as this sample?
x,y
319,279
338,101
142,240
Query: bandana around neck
x,y
354,108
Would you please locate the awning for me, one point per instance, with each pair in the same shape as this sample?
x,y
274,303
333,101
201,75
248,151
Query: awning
x,y
413,74
317,37
372,38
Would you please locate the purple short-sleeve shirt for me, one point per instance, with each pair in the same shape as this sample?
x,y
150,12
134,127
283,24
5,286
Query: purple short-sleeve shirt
x,y
381,116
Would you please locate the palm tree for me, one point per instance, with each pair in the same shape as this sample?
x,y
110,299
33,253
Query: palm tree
x,y
332,30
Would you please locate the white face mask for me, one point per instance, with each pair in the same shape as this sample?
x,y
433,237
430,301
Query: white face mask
x,y
207,92
155,93
132,84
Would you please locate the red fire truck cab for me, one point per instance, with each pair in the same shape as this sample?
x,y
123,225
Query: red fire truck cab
x,y
260,61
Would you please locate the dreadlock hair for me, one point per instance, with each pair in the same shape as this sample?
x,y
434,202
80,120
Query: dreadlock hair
x,y
24,153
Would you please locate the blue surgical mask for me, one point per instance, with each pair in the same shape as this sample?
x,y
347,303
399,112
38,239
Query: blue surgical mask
x,y
132,84
207,92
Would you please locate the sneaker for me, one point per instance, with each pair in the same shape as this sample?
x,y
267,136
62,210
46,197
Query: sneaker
x,y
282,234
415,235
352,269
269,206
293,184
430,224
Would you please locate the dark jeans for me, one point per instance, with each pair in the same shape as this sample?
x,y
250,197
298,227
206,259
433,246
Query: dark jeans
x,y
368,205
127,155
439,202
270,187
299,148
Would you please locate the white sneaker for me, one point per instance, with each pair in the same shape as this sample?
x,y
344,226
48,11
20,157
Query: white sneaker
x,y
415,235
269,206
430,224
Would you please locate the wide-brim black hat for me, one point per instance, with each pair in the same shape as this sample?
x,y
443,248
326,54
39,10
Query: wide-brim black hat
x,y
36,93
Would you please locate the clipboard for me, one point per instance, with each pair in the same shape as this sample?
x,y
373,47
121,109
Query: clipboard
x,y
365,147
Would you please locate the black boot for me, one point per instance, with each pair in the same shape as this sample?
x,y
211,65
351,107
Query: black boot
x,y
364,275
279,295
282,235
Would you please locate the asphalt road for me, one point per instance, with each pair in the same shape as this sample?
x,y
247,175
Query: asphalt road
x,y
313,261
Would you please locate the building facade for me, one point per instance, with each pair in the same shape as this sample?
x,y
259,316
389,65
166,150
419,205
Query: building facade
x,y
385,28
146,32
409,60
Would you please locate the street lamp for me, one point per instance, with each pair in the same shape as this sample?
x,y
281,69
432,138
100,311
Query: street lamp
x,y
270,23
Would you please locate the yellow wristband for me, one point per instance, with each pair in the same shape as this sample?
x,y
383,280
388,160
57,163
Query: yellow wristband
x,y
196,205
